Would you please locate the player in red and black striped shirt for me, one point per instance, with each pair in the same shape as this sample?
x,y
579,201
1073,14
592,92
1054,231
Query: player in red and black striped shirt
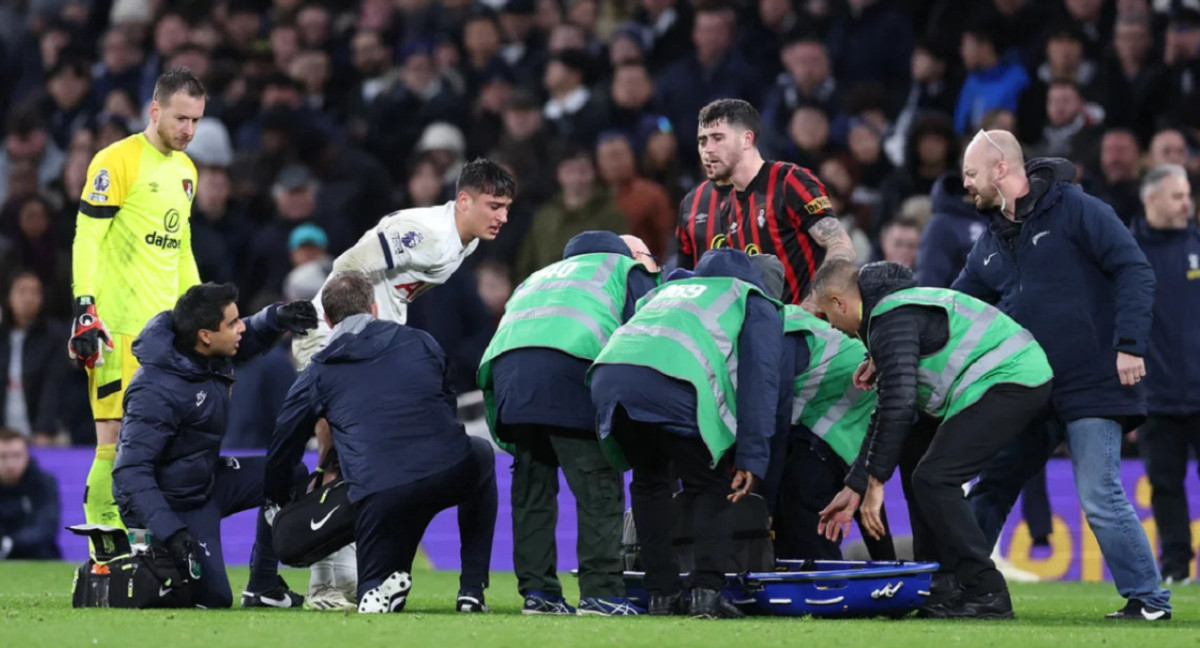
x,y
700,228
776,208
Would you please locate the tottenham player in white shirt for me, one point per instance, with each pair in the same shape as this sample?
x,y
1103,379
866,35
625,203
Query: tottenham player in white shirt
x,y
407,253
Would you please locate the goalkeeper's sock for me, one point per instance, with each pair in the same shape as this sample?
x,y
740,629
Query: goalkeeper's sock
x,y
99,507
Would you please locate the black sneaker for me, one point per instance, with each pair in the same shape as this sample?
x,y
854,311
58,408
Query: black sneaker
x,y
994,605
470,602
668,604
276,597
945,592
1135,610
709,604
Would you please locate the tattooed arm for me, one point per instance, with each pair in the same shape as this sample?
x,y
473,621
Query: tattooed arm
x,y
829,234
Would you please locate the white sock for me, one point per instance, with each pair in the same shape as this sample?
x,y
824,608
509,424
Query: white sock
x,y
320,574
344,566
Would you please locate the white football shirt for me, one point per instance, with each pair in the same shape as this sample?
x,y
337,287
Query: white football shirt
x,y
407,253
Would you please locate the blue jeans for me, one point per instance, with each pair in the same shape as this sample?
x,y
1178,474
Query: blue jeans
x,y
1095,445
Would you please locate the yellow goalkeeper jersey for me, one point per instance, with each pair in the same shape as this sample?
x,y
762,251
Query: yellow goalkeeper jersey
x,y
133,237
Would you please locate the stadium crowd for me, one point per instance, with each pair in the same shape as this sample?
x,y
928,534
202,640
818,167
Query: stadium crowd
x,y
323,117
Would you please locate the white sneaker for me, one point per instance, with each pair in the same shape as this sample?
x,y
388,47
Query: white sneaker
x,y
327,597
1011,572
389,596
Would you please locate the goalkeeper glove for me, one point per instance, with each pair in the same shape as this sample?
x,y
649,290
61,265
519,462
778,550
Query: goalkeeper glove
x,y
297,317
88,334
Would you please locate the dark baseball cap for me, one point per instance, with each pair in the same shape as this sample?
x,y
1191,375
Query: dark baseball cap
x,y
293,176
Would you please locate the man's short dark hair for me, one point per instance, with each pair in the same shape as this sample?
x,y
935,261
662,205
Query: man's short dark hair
x,y
345,294
903,221
1061,82
486,177
201,308
980,28
9,434
735,112
178,80
24,121
802,35
570,151
835,274
74,65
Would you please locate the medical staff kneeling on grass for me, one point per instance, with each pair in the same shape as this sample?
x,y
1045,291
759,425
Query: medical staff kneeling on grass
x,y
386,391
954,359
695,371
169,476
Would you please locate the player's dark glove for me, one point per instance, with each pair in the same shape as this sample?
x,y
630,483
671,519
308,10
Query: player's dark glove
x,y
297,317
89,337
185,551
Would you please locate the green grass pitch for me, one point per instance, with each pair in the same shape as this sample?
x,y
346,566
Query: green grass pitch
x,y
35,610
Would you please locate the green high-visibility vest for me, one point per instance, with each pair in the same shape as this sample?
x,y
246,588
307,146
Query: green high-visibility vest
x,y
573,306
688,330
824,397
986,348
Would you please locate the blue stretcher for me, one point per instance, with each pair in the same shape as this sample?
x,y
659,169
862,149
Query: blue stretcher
x,y
822,588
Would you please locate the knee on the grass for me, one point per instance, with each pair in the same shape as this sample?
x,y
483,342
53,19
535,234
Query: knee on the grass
x,y
214,599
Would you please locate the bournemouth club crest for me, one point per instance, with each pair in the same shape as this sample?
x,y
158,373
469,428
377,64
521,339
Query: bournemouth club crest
x,y
189,188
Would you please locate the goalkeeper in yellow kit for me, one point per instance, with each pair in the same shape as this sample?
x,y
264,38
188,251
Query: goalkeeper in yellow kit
x,y
132,258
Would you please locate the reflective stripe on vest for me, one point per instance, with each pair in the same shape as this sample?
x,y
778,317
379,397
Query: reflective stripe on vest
x,y
688,330
836,411
594,286
708,317
723,343
812,382
985,348
941,382
992,359
562,311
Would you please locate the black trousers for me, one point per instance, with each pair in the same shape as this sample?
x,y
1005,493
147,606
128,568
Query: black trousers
x,y
391,522
812,476
660,460
238,486
1164,442
939,464
1035,506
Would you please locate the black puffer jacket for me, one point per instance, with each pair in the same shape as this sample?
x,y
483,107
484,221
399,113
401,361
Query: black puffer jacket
x,y
896,340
